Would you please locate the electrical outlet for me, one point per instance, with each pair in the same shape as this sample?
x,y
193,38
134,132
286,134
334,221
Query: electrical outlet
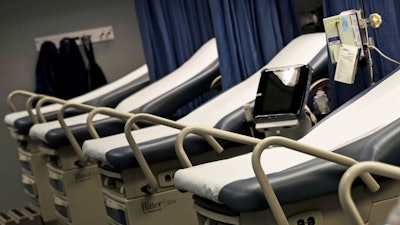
x,y
166,178
307,218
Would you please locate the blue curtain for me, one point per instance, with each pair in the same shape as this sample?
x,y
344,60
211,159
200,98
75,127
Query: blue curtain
x,y
386,38
250,33
171,31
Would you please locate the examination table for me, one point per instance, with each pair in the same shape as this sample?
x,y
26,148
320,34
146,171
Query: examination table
x,y
34,171
71,179
138,184
364,129
108,95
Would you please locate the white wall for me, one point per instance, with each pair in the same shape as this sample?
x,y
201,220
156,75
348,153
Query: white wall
x,y
23,20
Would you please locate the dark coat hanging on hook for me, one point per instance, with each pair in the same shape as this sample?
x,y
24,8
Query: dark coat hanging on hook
x,y
47,69
95,73
73,76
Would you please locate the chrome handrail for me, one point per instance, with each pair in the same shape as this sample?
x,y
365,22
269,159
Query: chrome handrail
x,y
153,184
209,133
304,148
351,174
15,93
106,111
46,99
68,133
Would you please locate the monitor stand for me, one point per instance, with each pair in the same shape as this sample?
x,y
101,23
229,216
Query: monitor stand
x,y
294,129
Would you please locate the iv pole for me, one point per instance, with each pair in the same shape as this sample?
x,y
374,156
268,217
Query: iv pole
x,y
373,21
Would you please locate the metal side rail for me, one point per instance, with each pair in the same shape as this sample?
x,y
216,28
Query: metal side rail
x,y
29,107
40,116
68,133
260,146
210,133
351,174
153,184
307,149
106,111
93,111
31,97
12,95
92,130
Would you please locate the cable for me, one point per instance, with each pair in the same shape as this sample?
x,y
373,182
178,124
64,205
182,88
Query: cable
x,y
383,55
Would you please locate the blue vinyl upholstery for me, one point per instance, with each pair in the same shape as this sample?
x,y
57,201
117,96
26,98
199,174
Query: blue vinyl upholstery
x,y
22,125
316,177
122,157
164,105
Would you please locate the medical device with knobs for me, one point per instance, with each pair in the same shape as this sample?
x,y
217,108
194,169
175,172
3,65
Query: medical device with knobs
x,y
374,20
350,29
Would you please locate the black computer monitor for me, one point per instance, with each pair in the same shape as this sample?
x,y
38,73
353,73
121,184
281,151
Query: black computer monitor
x,y
281,93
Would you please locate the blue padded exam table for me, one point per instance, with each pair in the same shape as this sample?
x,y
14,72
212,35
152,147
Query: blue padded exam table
x,y
364,129
120,169
107,96
161,98
64,166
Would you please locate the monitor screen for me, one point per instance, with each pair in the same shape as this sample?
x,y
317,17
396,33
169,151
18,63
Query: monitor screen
x,y
281,93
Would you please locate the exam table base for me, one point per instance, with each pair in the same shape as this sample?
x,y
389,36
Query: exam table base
x,y
326,210
163,208
77,193
126,201
35,177
36,184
